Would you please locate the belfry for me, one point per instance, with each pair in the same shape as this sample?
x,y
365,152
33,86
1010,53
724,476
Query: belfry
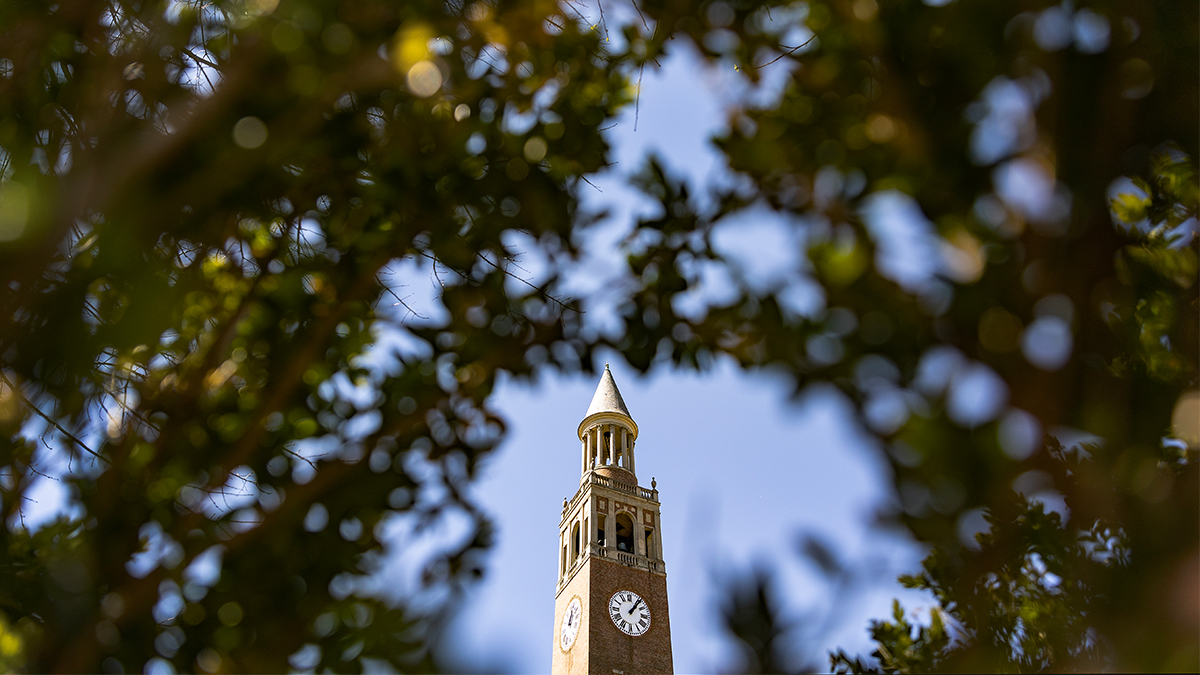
x,y
610,609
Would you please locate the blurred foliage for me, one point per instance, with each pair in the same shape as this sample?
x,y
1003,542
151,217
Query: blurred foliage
x,y
903,646
751,616
206,346
1029,613
1050,357
209,212
1029,596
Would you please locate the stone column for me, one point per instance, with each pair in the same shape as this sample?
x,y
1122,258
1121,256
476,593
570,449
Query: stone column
x,y
615,444
613,448
639,534
593,452
582,520
592,524
605,450
632,468
624,447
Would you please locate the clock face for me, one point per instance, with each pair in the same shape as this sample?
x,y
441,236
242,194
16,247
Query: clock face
x,y
570,624
629,613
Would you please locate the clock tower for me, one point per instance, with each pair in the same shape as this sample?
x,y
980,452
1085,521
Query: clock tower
x,y
610,609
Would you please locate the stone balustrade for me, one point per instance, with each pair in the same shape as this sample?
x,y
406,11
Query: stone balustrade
x,y
592,478
625,558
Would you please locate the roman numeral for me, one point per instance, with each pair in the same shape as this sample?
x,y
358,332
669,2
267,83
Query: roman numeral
x,y
642,623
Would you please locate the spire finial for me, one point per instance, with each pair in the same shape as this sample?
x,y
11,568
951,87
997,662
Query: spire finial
x,y
607,397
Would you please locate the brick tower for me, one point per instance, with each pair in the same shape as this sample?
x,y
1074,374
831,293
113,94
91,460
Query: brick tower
x,y
610,609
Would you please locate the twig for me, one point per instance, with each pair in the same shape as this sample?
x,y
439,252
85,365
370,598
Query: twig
x,y
787,53
46,417
637,99
639,13
202,60
288,451
399,301
603,23
43,475
584,179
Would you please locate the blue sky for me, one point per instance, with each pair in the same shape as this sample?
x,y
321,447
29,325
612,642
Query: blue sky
x,y
742,474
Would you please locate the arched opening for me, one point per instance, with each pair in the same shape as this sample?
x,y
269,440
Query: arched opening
x,y
575,542
601,533
650,552
624,533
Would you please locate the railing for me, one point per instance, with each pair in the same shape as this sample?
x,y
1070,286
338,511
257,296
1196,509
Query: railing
x,y
625,558
612,484
622,486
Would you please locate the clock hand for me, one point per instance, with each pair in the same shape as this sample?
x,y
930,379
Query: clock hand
x,y
635,606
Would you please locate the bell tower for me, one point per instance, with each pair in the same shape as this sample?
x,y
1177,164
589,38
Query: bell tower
x,y
610,608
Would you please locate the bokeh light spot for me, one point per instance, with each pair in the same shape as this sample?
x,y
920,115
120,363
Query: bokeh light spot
x,y
286,37
1136,78
999,330
250,133
880,128
1185,420
1091,32
962,257
971,523
411,45
1019,433
337,38
1047,343
260,7
14,210
976,395
516,169
230,613
424,79
535,149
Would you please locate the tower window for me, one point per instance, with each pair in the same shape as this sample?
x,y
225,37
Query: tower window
x,y
624,533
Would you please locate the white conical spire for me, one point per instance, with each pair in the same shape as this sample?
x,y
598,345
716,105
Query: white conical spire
x,y
607,397
608,432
